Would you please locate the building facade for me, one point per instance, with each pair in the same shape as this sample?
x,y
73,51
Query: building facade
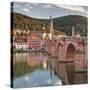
x,y
35,41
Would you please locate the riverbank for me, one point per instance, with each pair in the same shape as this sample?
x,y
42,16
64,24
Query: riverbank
x,y
21,50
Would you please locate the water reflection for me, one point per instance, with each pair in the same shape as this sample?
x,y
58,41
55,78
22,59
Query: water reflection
x,y
66,72
32,69
39,69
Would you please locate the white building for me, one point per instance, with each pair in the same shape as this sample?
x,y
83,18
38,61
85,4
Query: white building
x,y
19,45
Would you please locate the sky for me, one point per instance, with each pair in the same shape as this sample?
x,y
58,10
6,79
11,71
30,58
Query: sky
x,y
44,11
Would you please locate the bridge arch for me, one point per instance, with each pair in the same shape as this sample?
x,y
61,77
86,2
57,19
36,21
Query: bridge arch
x,y
70,51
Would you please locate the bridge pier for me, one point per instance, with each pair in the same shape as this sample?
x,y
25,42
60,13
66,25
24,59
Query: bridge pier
x,y
80,62
48,49
53,51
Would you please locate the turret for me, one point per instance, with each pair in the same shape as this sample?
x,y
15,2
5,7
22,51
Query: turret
x,y
73,33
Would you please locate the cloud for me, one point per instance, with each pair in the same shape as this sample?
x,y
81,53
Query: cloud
x,y
25,9
56,10
27,5
26,78
47,6
22,6
73,8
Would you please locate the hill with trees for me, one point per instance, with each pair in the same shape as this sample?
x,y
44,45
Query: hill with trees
x,y
62,25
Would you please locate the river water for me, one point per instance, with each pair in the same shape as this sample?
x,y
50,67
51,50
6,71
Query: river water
x,y
32,70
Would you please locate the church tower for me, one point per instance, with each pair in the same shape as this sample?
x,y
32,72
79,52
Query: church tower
x,y
51,32
51,26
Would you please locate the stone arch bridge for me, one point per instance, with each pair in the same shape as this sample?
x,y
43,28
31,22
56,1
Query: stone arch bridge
x,y
69,49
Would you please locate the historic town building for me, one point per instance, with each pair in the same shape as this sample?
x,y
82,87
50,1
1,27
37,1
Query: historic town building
x,y
48,35
20,43
35,40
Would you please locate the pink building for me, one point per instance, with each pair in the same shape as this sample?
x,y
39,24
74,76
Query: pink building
x,y
34,41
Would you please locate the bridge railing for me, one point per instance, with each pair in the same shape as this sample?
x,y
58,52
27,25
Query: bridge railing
x,y
73,39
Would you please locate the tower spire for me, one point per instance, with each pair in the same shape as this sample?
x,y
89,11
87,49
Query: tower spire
x,y
51,26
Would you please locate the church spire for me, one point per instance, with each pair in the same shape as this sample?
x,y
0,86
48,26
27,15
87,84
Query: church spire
x,y
51,26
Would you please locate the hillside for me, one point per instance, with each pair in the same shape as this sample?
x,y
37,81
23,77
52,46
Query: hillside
x,y
64,24
24,22
61,24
